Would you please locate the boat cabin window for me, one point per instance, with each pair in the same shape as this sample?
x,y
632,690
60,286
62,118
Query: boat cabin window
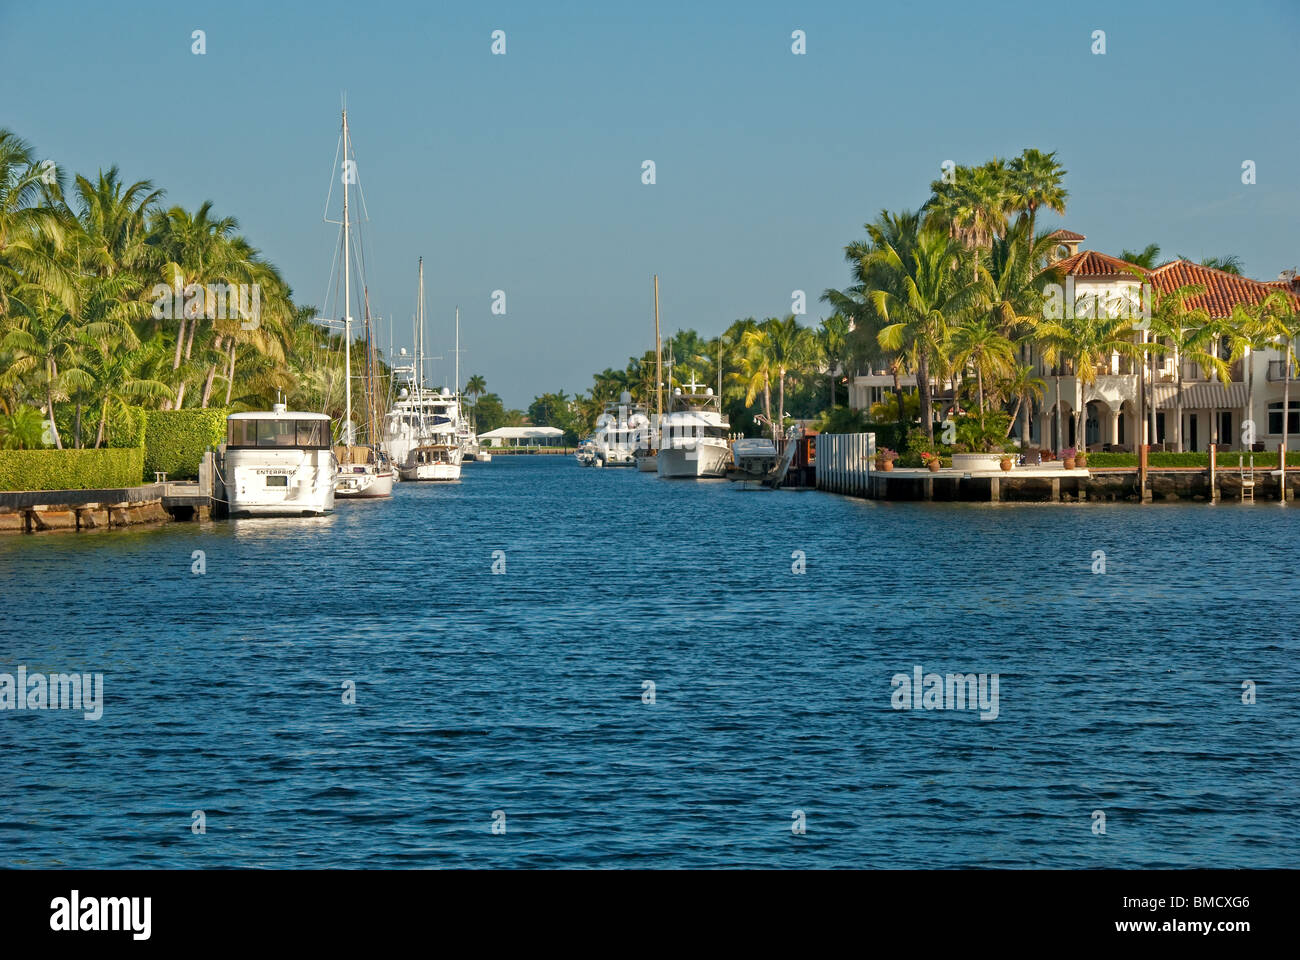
x,y
310,434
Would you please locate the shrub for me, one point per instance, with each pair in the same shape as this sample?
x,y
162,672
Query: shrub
x,y
22,429
175,440
70,469
842,420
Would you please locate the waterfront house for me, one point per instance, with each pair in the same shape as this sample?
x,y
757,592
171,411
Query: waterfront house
x,y
1120,396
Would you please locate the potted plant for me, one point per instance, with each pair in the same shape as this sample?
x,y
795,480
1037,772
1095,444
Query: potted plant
x,y
931,460
1005,462
1081,458
885,459
1067,458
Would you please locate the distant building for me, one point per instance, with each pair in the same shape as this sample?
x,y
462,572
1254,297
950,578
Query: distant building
x,y
522,437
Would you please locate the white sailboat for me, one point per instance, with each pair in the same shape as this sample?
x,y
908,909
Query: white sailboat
x,y
363,471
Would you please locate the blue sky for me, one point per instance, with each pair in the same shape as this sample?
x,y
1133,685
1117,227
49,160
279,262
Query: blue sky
x,y
523,172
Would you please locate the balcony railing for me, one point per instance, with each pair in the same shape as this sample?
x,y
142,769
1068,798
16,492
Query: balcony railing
x,y
1194,371
1277,371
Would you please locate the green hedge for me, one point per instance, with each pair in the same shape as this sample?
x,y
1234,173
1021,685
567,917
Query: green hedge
x,y
175,440
126,427
1227,459
70,469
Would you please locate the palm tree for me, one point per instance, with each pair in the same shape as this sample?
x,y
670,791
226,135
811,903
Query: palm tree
x,y
1015,293
1036,180
197,250
22,215
47,345
974,206
22,429
1026,387
978,343
790,347
1084,341
755,369
1229,264
116,368
475,386
1190,334
918,295
1148,258
832,340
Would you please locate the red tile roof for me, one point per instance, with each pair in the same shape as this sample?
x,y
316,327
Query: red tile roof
x,y
1090,263
1065,235
1223,290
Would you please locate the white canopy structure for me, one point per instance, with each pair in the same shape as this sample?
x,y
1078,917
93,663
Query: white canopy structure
x,y
522,437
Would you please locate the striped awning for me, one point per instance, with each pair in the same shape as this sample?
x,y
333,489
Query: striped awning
x,y
1202,396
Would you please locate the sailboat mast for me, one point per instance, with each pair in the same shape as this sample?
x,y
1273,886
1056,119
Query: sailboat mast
x,y
419,349
659,359
457,383
347,298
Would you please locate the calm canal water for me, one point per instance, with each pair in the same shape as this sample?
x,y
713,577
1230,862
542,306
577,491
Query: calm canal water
x,y
522,691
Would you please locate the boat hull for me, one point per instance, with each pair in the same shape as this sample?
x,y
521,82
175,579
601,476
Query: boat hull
x,y
702,461
364,486
432,472
272,483
649,463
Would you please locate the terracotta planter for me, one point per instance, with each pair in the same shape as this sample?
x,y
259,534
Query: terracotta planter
x,y
886,465
1068,463
1080,462
1005,463
934,466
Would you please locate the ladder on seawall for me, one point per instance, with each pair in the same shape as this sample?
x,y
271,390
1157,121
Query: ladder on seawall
x,y
1247,483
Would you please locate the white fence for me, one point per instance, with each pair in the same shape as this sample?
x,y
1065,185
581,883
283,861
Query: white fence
x,y
844,462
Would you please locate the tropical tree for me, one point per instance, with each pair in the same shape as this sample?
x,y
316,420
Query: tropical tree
x,y
1024,386
919,296
978,343
755,369
832,344
22,430
790,347
1036,183
974,205
1148,258
1085,340
1191,335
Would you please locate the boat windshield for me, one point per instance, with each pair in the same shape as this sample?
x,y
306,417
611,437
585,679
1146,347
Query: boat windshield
x,y
309,434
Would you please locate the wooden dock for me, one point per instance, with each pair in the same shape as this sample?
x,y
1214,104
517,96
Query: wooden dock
x,y
845,464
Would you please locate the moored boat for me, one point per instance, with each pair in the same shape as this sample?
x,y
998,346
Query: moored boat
x,y
436,461
693,437
278,463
